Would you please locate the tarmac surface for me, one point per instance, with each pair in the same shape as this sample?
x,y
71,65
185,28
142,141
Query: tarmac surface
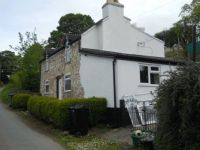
x,y
15,135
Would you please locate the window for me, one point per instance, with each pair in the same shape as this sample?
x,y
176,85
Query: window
x,y
46,65
46,85
149,74
68,54
144,74
67,83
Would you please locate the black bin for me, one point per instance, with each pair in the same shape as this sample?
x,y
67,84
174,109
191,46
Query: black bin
x,y
79,120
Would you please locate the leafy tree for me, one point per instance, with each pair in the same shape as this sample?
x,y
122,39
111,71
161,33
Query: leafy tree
x,y
31,68
169,36
191,12
178,109
181,32
8,64
25,41
70,23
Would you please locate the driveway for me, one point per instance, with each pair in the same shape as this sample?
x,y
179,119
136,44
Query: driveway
x,y
15,135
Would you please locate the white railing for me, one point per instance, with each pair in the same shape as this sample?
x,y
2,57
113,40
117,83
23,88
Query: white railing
x,y
141,112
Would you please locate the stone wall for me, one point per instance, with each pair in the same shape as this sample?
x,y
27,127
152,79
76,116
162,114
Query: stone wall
x,y
58,68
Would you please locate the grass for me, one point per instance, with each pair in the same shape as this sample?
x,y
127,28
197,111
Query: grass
x,y
69,142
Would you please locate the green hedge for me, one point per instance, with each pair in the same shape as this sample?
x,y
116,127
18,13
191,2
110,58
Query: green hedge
x,y
55,111
178,109
20,101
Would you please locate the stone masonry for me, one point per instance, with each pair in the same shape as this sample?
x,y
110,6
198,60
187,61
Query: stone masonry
x,y
58,68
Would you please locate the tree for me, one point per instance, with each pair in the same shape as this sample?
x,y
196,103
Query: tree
x,y
71,24
191,12
25,41
8,64
31,68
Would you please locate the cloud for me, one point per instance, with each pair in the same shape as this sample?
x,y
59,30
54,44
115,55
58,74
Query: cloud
x,y
23,15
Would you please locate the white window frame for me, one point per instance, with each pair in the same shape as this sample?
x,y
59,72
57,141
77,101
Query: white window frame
x,y
65,79
149,73
46,83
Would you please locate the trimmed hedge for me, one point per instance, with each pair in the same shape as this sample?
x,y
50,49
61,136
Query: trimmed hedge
x,y
20,101
52,110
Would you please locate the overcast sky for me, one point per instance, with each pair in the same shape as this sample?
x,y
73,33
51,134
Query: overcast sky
x,y
25,15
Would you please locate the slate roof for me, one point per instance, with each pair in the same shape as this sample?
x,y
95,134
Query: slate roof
x,y
61,45
131,57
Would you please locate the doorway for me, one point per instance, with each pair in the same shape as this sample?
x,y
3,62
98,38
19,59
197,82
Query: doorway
x,y
59,87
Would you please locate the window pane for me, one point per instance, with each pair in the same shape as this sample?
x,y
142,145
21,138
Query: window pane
x,y
155,78
47,88
67,85
68,55
144,74
154,68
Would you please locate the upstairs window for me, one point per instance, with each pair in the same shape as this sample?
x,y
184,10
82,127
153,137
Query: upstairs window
x,y
149,74
46,65
68,53
46,85
67,83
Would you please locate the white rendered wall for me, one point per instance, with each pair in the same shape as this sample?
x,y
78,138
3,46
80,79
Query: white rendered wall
x,y
97,78
118,35
128,79
96,75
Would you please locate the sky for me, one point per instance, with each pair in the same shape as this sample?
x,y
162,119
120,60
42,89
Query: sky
x,y
43,15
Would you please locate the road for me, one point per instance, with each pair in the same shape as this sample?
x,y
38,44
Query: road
x,y
15,135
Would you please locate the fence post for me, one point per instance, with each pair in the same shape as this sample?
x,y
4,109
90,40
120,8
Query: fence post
x,y
145,117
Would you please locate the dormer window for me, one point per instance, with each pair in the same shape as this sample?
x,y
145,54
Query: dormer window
x,y
68,51
68,55
46,65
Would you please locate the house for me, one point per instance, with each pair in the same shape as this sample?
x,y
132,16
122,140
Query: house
x,y
111,59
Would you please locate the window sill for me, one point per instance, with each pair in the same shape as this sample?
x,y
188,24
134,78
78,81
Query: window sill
x,y
148,85
68,91
69,62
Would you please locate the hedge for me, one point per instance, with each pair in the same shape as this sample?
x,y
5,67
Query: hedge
x,y
178,109
52,110
20,100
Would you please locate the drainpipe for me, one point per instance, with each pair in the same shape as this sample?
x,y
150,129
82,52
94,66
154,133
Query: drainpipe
x,y
114,83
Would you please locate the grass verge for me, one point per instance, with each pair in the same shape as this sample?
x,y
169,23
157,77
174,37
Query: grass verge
x,y
69,142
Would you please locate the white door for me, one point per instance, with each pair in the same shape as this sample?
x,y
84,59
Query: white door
x,y
60,89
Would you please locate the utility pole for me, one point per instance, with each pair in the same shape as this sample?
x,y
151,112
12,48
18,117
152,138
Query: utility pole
x,y
194,43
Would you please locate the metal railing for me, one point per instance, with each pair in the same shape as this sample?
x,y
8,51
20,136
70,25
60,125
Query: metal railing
x,y
142,114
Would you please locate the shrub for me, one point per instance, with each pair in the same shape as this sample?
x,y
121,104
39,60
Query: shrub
x,y
56,111
20,101
1,83
4,95
178,106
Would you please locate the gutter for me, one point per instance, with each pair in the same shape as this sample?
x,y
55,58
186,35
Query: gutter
x,y
114,83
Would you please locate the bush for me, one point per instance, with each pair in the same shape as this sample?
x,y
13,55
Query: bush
x,y
20,101
1,83
56,111
178,106
4,95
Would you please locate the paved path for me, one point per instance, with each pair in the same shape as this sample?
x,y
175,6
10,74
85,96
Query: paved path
x,y
15,135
